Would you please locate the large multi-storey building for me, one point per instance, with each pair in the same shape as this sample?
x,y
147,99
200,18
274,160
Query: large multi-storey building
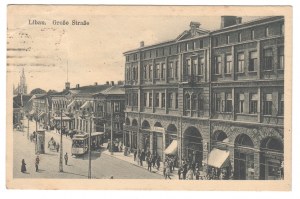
x,y
213,95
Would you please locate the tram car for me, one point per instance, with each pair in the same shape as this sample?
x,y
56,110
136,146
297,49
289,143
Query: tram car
x,y
80,144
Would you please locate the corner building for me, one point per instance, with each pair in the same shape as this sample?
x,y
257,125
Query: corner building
x,y
207,92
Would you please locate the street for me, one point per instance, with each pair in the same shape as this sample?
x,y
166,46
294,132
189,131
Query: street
x,y
103,166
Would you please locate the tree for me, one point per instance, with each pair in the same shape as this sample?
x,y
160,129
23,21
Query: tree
x,y
50,92
37,91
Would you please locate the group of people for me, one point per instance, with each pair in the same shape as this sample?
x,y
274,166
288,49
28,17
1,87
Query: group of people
x,y
23,165
52,145
152,160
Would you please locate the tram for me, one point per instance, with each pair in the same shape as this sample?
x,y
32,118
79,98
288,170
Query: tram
x,y
80,142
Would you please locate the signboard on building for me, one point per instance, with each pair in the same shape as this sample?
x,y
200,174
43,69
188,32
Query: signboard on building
x,y
158,129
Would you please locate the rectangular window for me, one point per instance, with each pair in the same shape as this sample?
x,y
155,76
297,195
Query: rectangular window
x,y
163,71
157,71
282,29
188,67
281,104
176,101
268,59
170,100
252,61
201,66
177,48
145,99
170,50
228,67
227,39
217,102
171,70
200,103
216,41
267,104
156,53
163,51
281,57
241,98
239,37
150,71
201,44
195,66
266,31
156,99
218,65
145,72
117,107
176,69
150,53
252,34
228,102
163,100
150,99
253,103
241,62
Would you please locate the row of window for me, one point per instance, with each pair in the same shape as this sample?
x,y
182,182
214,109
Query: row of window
x,y
268,107
160,100
160,71
240,36
252,64
169,50
194,102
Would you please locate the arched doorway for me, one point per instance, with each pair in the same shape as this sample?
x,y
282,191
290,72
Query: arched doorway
x,y
271,159
157,138
127,121
171,134
146,135
193,145
243,158
134,134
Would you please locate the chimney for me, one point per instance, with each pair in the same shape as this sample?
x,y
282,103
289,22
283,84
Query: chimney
x,y
107,82
193,27
77,85
238,20
67,85
112,83
142,44
228,21
95,83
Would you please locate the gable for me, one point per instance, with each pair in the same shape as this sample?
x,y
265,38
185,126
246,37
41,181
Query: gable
x,y
189,34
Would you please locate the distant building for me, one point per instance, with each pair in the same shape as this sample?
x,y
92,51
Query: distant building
x,y
22,86
21,107
211,96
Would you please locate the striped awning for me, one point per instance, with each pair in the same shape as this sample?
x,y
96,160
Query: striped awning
x,y
217,158
87,104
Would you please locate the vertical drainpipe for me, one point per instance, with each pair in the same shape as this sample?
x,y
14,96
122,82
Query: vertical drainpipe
x,y
209,65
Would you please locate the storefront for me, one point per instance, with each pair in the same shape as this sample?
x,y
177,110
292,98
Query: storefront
x,y
192,144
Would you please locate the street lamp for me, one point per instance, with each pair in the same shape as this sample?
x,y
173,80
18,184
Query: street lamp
x,y
90,159
111,130
61,147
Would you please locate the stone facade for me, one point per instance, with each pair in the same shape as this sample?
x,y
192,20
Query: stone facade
x,y
214,89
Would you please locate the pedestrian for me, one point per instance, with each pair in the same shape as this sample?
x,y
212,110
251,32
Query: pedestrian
x,y
190,173
197,174
158,162
168,172
66,159
57,147
179,173
154,160
184,171
142,157
23,167
37,162
139,157
149,162
134,155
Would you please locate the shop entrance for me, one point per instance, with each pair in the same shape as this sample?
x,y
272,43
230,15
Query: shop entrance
x,y
271,159
192,142
243,158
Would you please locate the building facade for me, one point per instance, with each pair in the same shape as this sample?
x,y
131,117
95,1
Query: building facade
x,y
209,90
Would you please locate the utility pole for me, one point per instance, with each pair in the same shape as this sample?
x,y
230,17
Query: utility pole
x,y
61,143
111,129
90,160
36,129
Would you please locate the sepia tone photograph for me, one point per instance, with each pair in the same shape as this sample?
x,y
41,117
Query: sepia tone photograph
x,y
163,97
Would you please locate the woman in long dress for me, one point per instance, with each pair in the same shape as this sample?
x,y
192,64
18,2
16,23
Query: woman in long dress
x,y
23,167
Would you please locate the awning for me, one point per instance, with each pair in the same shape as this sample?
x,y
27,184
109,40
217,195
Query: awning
x,y
87,104
41,114
217,158
172,148
63,118
31,112
71,104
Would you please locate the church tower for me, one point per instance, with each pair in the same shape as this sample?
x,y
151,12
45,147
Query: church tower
x,y
23,86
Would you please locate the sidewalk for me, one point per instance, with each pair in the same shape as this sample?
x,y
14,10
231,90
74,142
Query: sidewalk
x,y
129,159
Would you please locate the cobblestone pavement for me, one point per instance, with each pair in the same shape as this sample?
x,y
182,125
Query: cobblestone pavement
x,y
103,165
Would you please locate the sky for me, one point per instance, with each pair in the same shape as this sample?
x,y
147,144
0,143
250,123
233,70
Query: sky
x,y
92,53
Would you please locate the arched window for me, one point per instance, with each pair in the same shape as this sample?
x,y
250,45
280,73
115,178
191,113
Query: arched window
x,y
194,102
187,101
